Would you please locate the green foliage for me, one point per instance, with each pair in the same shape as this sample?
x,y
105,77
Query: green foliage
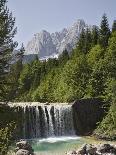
x,y
114,26
81,42
7,32
6,134
104,32
45,91
73,79
110,90
88,40
64,57
95,54
9,73
107,127
95,35
85,41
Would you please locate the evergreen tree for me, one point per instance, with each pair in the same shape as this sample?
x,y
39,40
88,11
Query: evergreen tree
x,y
85,41
7,32
88,40
81,42
104,32
114,26
14,74
64,57
95,35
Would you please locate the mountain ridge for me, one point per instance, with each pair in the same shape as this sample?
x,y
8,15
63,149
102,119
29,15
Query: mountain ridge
x,y
50,45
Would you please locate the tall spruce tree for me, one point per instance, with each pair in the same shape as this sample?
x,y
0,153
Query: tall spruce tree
x,y
104,32
88,40
14,74
95,35
7,32
64,57
81,42
114,26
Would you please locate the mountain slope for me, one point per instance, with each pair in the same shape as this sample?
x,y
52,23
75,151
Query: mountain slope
x,y
47,45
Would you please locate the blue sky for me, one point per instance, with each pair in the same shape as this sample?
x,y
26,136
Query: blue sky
x,y
32,16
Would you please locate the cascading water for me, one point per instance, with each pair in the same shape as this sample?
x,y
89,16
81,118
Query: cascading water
x,y
47,121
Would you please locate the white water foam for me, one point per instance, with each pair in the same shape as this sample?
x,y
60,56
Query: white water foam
x,y
58,139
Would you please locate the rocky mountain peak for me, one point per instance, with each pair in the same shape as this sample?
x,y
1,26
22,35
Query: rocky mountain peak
x,y
46,45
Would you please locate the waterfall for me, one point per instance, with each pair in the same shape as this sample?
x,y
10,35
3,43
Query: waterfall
x,y
47,121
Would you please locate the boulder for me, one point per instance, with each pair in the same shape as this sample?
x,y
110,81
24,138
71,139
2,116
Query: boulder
x,y
16,149
82,150
106,148
72,153
91,149
24,145
22,152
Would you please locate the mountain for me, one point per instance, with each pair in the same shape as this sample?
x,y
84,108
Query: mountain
x,y
47,45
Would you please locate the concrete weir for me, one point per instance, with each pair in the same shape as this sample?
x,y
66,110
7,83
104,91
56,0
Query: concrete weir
x,y
44,120
39,120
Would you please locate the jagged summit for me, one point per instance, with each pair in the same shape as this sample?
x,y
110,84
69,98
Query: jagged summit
x,y
47,45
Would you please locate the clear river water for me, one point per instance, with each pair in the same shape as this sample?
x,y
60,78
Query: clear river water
x,y
56,145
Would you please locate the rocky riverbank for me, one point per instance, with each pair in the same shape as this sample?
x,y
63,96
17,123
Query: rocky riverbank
x,y
90,149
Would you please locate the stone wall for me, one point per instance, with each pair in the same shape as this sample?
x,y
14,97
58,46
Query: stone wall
x,y
86,114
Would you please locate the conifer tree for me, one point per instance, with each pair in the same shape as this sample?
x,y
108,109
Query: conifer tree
x,y
95,35
7,32
114,26
14,74
64,57
85,41
81,42
104,32
88,40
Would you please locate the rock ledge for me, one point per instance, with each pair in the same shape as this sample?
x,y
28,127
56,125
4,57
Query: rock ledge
x,y
89,149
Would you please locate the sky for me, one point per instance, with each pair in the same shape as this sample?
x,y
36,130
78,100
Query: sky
x,y
32,16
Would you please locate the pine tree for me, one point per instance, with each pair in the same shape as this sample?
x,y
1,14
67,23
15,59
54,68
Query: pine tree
x,y
64,57
81,42
104,32
88,40
14,74
95,35
85,41
7,32
114,26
